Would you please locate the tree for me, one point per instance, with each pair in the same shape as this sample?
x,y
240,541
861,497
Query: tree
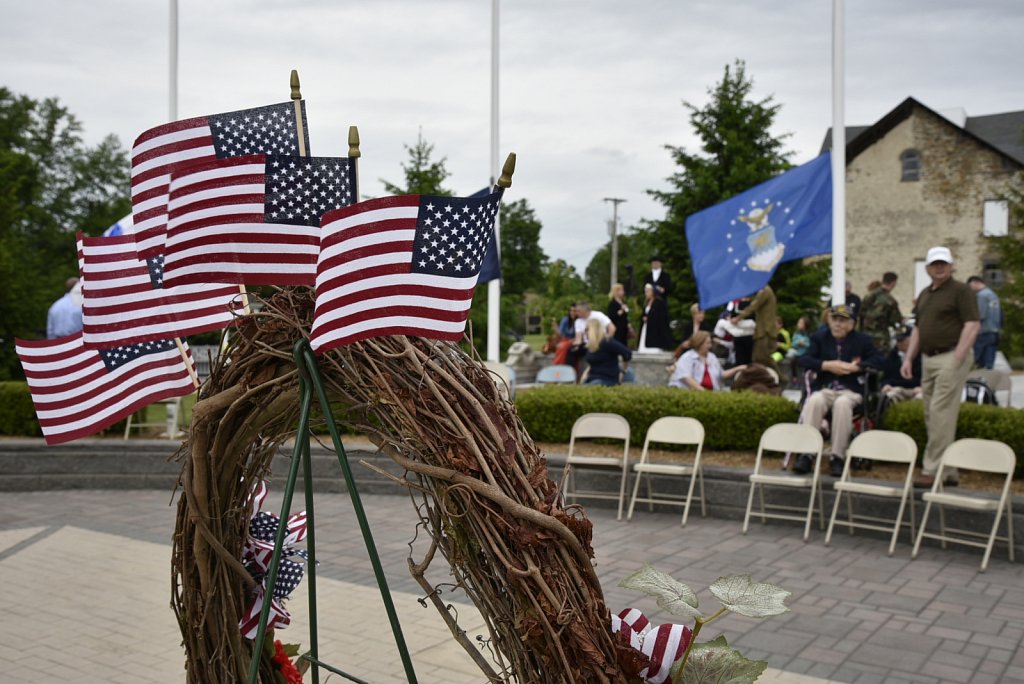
x,y
738,151
1011,261
522,259
422,175
51,185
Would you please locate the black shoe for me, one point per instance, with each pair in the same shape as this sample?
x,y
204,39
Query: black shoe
x,y
803,464
860,464
836,465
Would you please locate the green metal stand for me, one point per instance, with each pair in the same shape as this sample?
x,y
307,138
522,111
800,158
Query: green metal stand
x,y
310,381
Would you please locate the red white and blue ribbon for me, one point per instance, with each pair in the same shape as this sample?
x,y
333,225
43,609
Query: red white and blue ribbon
x,y
664,644
256,556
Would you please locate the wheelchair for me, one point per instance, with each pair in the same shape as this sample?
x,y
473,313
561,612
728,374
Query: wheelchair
x,y
866,416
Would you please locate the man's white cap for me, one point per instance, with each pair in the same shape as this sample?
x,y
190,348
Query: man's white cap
x,y
938,254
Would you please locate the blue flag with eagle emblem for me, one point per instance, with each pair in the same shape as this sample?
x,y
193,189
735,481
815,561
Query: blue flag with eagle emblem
x,y
736,245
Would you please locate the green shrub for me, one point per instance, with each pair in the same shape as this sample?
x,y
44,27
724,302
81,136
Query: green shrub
x,y
976,420
732,420
17,414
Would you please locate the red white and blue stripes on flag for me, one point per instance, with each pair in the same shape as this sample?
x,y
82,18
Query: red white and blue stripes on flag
x,y
404,265
170,147
125,301
253,219
77,391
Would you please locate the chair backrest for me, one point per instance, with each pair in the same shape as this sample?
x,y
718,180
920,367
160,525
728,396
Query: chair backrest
x,y
800,439
884,445
675,430
556,374
986,455
600,425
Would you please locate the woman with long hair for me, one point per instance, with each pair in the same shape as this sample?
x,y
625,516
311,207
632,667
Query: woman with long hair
x,y
603,353
698,369
655,334
618,311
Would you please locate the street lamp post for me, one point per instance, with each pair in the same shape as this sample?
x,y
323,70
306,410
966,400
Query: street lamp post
x,y
613,232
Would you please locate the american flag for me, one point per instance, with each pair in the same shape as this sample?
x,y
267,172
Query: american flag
x,y
161,150
403,265
125,301
77,391
252,219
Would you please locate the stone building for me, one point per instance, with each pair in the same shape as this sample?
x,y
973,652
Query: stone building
x,y
918,178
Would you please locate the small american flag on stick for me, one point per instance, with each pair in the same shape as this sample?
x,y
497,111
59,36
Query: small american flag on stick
x,y
253,219
77,391
403,265
162,150
125,301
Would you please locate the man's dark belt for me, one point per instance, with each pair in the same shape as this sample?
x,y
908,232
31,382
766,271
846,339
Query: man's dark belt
x,y
939,350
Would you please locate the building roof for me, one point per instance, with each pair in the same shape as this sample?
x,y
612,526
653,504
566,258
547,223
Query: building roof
x,y
1004,133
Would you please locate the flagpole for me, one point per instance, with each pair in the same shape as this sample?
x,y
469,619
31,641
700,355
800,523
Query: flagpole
x,y
838,159
172,54
354,154
188,366
300,124
494,286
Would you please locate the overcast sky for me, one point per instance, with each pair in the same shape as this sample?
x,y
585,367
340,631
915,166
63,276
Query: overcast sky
x,y
591,90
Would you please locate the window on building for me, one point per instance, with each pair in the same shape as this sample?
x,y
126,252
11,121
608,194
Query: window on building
x,y
996,220
992,274
910,161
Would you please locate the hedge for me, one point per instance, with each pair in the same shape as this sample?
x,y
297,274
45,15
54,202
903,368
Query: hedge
x,y
976,420
17,414
732,420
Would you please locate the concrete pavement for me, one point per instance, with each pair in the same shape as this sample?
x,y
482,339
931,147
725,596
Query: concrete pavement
x,y
85,575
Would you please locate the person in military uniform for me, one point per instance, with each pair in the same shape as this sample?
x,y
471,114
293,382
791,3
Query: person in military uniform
x,y
879,313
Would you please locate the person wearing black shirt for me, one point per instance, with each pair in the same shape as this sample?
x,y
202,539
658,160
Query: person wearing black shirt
x,y
837,354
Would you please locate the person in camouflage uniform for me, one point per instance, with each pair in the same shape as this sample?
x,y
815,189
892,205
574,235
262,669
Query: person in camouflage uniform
x,y
879,313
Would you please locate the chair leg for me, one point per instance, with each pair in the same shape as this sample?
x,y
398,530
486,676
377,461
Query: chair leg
x,y
650,492
992,539
689,498
632,499
942,525
899,524
622,489
1009,522
849,513
703,499
832,520
920,530
750,505
760,496
810,513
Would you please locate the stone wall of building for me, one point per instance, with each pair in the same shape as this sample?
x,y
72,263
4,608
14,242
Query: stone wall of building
x,y
891,223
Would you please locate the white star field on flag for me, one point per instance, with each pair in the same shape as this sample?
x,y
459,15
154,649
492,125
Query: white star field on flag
x,y
302,189
452,235
269,130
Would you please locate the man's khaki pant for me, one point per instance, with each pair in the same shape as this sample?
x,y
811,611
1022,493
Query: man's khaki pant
x,y
942,384
842,403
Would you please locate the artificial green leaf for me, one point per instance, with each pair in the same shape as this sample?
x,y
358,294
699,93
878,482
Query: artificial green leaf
x,y
673,596
753,599
713,662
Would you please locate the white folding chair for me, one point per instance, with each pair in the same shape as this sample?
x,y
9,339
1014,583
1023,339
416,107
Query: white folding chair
x,y
983,455
670,430
879,446
556,375
597,426
799,439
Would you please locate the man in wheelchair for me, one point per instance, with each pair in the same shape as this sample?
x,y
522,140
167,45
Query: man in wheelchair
x,y
838,355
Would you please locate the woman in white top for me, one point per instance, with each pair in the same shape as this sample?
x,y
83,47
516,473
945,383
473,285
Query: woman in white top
x,y
698,369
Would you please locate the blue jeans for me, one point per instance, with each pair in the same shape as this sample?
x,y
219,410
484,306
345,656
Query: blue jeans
x,y
985,347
